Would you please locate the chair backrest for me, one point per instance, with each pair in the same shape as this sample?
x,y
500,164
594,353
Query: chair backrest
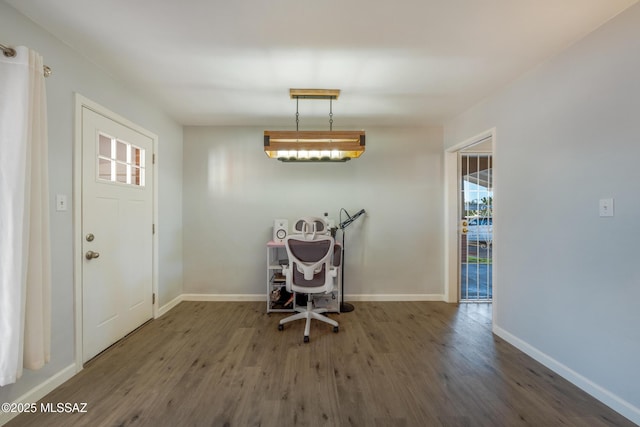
x,y
311,226
310,262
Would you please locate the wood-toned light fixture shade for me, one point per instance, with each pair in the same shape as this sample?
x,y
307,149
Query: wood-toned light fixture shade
x,y
309,146
315,145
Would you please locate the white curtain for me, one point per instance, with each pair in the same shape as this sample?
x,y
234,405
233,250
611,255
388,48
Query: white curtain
x,y
25,255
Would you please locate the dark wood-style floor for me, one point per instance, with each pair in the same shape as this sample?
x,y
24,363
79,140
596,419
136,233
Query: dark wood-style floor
x,y
391,364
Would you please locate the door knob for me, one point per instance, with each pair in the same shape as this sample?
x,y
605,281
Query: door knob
x,y
91,255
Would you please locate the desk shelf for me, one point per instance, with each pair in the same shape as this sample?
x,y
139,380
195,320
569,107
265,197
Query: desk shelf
x,y
276,298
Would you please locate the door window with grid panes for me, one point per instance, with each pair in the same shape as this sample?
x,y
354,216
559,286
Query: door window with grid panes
x,y
120,161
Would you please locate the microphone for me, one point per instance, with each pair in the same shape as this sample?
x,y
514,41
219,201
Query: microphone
x,y
360,212
350,218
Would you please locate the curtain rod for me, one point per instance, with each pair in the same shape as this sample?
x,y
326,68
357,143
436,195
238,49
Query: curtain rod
x,y
10,52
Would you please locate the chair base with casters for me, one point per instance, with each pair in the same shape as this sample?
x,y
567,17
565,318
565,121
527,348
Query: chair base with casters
x,y
309,313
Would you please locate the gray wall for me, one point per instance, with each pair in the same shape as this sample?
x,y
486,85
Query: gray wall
x,y
232,193
72,73
568,283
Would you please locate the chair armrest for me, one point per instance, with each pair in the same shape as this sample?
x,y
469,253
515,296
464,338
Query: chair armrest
x,y
333,271
286,272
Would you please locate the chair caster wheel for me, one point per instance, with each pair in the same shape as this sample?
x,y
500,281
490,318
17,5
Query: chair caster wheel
x,y
306,339
280,327
335,329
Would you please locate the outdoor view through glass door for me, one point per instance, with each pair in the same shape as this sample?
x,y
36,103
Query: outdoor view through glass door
x,y
476,227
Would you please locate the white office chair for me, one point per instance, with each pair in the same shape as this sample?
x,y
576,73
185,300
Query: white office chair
x,y
310,270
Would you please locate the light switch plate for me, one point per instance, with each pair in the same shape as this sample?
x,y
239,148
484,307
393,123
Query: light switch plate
x,y
61,202
606,207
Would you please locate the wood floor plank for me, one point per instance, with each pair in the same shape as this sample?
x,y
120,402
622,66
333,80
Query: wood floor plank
x,y
391,364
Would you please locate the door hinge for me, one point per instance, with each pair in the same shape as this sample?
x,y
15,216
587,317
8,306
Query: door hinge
x,y
153,229
153,158
153,298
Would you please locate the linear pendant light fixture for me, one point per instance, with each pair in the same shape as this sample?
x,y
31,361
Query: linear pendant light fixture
x,y
315,145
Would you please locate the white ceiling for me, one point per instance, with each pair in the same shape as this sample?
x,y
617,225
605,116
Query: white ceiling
x,y
215,62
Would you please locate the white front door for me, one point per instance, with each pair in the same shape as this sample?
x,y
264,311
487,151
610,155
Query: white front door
x,y
117,237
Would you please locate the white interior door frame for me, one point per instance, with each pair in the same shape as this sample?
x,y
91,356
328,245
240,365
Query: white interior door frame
x,y
451,219
80,103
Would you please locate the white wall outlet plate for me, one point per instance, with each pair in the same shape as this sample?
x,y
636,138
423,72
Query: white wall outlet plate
x,y
606,207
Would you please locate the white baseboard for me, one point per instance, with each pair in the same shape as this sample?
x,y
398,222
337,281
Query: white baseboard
x,y
394,297
613,401
261,297
360,297
40,391
224,297
168,306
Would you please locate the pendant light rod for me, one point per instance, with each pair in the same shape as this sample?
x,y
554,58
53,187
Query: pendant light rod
x,y
331,114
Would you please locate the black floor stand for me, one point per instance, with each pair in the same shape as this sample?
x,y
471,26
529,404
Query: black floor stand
x,y
345,307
